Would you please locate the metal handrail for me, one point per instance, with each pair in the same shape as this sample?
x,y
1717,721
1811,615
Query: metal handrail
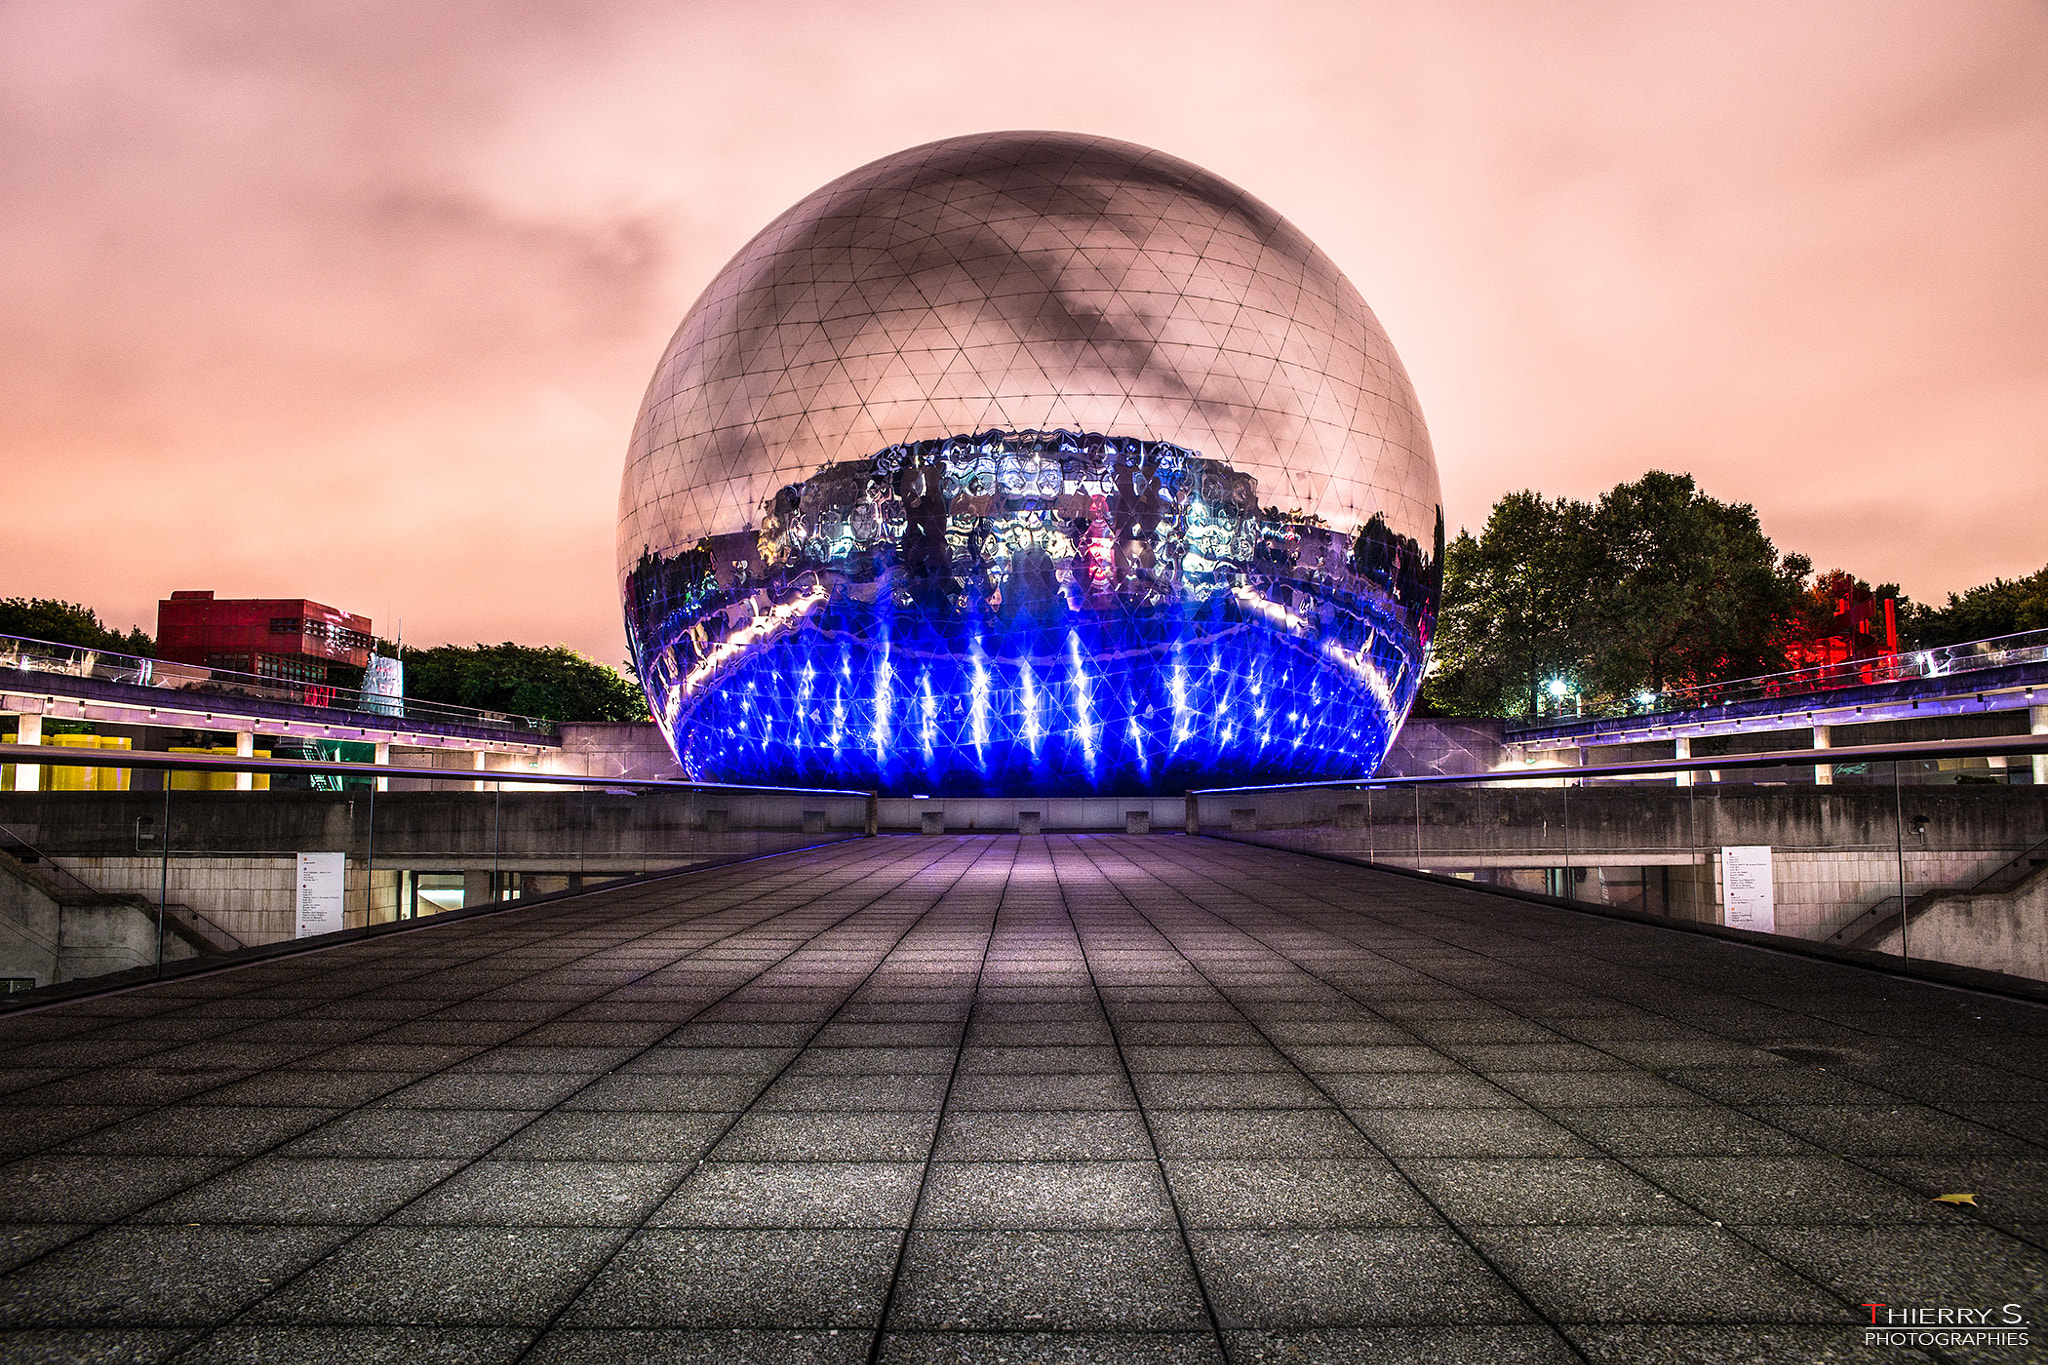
x,y
1782,758
81,661
1939,661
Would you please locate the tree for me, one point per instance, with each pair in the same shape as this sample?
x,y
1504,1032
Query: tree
x,y
550,682
68,623
1985,612
1686,589
1654,586
1511,605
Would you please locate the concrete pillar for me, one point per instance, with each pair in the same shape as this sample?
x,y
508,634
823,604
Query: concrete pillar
x,y
1823,773
479,761
245,747
383,759
28,729
1681,748
2037,718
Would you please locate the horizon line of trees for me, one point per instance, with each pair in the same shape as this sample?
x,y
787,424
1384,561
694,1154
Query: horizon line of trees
x,y
1656,585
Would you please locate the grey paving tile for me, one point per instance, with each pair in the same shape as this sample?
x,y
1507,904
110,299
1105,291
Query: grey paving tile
x,y
660,1135
1543,1190
95,1189
1914,1265
417,1133
1050,1348
715,1346
1057,1135
159,1276
29,1128
873,1061
203,1130
1403,1346
1132,1281
1653,1274
1045,1194
1613,1089
1679,1131
1888,1130
444,1276
1263,1133
1751,1344
1043,1092
1269,1193
1792,1190
508,1091
754,1278
1221,1090
1467,1132
92,1346
759,1062
816,1194
1265,1280
236,1345
25,1241
856,1092
281,1189
547,1193
829,1135
313,1089
1416,1090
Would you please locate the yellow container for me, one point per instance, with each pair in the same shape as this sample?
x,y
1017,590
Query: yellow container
x,y
188,781
115,779
72,779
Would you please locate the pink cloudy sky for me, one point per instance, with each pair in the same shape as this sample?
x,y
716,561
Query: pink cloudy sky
x,y
357,301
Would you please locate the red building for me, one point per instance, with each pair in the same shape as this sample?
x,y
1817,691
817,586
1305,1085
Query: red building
x,y
287,637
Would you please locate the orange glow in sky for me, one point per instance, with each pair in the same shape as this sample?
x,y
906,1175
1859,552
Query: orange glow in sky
x,y
357,302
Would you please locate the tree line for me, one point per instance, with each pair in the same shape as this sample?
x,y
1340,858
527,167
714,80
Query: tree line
x,y
1656,585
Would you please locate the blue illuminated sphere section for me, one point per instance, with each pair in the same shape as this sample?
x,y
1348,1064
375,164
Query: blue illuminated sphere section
x,y
1030,463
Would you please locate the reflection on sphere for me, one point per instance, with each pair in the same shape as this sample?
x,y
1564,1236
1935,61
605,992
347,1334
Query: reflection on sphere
x,y
1030,462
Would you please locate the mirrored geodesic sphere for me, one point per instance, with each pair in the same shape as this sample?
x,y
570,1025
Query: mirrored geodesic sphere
x,y
1030,462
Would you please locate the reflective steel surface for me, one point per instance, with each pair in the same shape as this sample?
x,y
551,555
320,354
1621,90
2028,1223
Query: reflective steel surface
x,y
1030,461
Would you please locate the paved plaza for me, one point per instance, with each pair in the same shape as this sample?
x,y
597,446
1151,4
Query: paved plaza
x,y
1019,1099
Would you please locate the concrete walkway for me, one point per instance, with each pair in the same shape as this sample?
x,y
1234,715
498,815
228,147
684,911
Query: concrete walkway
x,y
1019,1099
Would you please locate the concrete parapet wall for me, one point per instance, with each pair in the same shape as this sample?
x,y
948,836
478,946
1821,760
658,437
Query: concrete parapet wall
x,y
1836,852
2004,931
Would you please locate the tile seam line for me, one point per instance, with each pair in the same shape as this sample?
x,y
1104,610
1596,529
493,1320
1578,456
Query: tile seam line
x,y
874,1352
235,1165
258,1023
1609,1153
919,918
239,1318
2034,1147
1461,947
1514,1287
1180,1223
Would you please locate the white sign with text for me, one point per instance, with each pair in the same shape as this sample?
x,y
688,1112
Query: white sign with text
x,y
1746,888
323,881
